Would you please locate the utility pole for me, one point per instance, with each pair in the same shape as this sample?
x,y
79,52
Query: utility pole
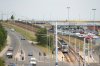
x,y
2,16
69,22
94,18
56,38
68,12
88,53
84,63
48,43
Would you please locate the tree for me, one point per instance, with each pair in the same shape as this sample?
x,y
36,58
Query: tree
x,y
12,17
41,35
3,36
44,39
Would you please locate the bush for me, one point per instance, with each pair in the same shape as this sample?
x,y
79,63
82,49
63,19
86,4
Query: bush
x,y
43,39
3,36
41,36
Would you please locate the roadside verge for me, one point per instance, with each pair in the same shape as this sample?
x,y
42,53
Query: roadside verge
x,y
6,47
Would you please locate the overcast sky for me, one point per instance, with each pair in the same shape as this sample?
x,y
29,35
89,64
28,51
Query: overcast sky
x,y
50,9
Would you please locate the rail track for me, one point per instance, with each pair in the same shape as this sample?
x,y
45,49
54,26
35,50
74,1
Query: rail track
x,y
76,55
72,57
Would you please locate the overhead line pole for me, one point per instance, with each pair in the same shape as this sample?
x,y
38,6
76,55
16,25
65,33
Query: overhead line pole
x,y
94,18
56,38
69,23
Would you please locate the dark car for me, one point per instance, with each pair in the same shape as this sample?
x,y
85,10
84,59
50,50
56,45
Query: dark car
x,y
30,53
22,38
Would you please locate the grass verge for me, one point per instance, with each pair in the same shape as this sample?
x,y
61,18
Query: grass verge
x,y
28,34
2,62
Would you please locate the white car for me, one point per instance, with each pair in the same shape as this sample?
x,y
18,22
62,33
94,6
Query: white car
x,y
77,34
32,61
82,35
12,29
95,36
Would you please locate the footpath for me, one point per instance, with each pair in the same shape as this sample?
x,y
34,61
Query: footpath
x,y
6,47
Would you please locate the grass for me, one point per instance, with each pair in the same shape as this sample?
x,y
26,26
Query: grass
x,y
2,47
28,34
2,62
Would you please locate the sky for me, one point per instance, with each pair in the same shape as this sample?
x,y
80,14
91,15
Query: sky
x,y
50,9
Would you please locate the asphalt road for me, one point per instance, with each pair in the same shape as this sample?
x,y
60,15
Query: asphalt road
x,y
26,47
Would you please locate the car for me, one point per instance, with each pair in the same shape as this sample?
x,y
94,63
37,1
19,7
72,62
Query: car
x,y
12,29
9,53
33,61
30,53
10,49
12,64
22,38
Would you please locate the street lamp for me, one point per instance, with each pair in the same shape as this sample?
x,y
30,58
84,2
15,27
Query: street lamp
x,y
79,53
84,48
56,38
68,12
69,22
94,17
62,60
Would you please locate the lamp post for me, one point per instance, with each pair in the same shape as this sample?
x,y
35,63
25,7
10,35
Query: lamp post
x,y
48,39
94,17
89,48
68,12
62,60
79,53
84,48
75,44
99,58
68,22
56,38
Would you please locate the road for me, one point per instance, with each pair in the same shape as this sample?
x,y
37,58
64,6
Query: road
x,y
24,46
